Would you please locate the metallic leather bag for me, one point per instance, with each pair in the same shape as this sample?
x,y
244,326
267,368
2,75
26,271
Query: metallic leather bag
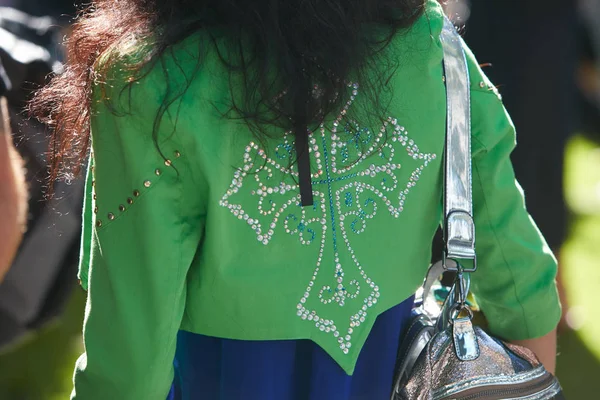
x,y
443,355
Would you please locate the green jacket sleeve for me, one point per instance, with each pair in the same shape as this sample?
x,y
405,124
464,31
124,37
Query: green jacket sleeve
x,y
144,234
86,229
515,281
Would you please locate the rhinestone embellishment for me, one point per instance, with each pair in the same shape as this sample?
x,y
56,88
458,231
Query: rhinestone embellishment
x,y
136,193
357,176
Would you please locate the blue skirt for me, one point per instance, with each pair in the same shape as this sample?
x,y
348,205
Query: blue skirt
x,y
209,368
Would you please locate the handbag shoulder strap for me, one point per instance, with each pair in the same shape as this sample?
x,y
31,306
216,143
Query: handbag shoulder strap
x,y
459,227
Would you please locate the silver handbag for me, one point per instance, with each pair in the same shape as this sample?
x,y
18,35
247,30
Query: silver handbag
x,y
442,355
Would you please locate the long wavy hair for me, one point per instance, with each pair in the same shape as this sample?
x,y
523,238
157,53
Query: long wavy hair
x,y
279,45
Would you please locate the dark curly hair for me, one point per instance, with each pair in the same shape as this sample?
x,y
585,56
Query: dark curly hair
x,y
296,42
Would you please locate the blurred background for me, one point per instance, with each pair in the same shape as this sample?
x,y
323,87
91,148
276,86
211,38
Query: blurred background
x,y
543,55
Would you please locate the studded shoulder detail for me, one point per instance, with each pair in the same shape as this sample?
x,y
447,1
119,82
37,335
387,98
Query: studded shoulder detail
x,y
103,217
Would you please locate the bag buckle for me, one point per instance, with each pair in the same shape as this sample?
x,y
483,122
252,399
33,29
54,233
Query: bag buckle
x,y
460,241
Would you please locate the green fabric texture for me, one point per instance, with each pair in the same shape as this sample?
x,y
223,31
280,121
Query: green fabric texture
x,y
214,240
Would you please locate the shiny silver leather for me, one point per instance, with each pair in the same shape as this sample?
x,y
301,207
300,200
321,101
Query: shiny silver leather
x,y
499,371
458,197
443,356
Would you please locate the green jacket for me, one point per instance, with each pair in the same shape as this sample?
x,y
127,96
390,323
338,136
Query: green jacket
x,y
213,240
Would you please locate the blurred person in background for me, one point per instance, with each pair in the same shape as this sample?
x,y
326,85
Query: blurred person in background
x,y
40,281
57,9
13,197
206,248
532,49
588,74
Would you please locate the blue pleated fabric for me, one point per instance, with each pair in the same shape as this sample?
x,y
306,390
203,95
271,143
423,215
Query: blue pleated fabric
x,y
208,368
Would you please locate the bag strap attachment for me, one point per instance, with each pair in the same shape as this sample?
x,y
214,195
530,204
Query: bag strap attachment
x,y
459,227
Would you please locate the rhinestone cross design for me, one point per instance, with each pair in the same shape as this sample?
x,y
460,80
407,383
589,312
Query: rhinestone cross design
x,y
356,175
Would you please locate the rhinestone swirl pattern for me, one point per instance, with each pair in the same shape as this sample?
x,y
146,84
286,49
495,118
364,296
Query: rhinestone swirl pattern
x,y
356,175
